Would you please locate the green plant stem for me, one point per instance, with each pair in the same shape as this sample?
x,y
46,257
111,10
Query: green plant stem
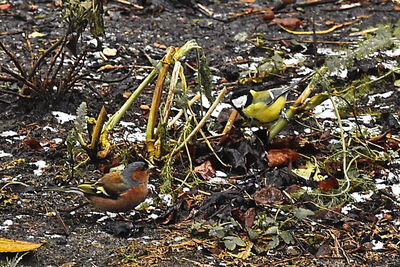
x,y
116,118
202,121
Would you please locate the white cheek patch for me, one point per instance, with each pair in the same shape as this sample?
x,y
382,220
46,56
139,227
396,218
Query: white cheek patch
x,y
239,102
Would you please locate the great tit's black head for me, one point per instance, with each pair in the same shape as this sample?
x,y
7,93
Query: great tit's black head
x,y
241,99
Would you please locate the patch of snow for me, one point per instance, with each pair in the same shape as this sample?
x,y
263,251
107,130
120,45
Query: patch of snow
x,y
325,110
63,117
41,164
377,245
359,197
4,154
8,134
217,180
220,174
153,216
8,223
51,129
396,190
58,140
166,199
372,98
347,208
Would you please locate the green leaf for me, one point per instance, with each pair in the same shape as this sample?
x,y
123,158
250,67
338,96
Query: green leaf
x,y
218,231
273,243
232,241
302,213
252,234
272,230
287,237
229,244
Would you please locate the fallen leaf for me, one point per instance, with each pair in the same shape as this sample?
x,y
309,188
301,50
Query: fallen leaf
x,y
290,23
205,170
106,67
5,6
144,107
158,45
282,157
10,245
324,250
110,52
328,184
33,143
301,213
268,195
248,217
36,34
268,15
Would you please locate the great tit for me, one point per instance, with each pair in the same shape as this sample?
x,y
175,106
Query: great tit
x,y
264,106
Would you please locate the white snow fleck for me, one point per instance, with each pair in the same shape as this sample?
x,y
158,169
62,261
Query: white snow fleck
x,y
359,197
58,140
166,199
8,223
220,174
8,133
377,245
51,129
372,98
4,154
41,164
217,180
63,117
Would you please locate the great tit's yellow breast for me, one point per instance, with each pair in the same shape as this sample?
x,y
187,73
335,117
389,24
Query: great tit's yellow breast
x,y
265,113
260,96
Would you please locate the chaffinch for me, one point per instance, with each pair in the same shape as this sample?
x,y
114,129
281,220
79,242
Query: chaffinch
x,y
118,191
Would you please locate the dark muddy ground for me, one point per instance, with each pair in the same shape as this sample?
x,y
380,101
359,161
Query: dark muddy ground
x,y
89,238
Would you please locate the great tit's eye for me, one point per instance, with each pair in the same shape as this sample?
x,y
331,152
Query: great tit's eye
x,y
240,101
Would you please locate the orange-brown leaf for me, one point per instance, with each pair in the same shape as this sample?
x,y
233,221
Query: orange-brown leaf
x,y
282,157
205,170
290,23
328,184
33,143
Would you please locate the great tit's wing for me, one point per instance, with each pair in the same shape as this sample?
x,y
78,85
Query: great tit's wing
x,y
275,93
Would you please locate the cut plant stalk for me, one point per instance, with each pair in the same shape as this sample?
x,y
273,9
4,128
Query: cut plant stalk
x,y
176,73
229,124
155,103
95,145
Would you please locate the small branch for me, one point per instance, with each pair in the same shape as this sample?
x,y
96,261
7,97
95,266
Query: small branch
x,y
14,59
43,56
